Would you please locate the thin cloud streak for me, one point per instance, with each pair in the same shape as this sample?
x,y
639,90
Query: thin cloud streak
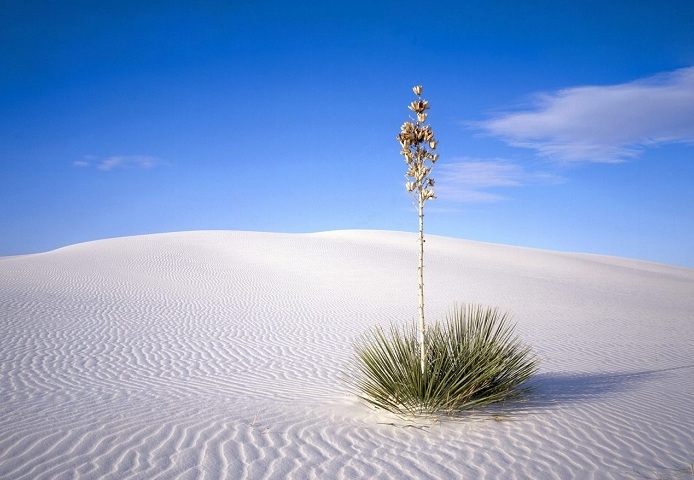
x,y
120,161
603,123
467,181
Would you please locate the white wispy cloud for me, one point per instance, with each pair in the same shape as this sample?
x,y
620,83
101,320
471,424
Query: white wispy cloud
x,y
603,123
119,161
469,180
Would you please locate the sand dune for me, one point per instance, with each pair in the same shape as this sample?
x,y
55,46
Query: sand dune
x,y
217,355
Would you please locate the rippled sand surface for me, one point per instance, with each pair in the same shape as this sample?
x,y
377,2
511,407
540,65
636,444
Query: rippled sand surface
x,y
217,355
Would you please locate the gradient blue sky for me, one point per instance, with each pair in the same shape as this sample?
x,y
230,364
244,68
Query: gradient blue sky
x,y
563,125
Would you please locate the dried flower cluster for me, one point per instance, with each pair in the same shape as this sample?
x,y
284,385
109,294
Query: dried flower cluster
x,y
418,144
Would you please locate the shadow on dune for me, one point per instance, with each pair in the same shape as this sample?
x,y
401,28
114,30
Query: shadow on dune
x,y
560,389
566,388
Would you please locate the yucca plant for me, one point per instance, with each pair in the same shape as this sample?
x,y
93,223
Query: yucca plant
x,y
470,359
474,359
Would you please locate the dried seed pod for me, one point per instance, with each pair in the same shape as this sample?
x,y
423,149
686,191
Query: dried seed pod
x,y
418,106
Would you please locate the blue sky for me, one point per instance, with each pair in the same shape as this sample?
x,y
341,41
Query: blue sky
x,y
562,125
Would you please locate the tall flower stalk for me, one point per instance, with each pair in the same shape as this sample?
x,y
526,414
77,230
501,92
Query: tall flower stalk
x,y
418,144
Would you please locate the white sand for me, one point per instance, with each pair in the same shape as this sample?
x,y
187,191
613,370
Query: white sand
x,y
217,354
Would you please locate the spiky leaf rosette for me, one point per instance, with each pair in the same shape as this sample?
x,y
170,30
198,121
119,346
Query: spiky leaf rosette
x,y
474,359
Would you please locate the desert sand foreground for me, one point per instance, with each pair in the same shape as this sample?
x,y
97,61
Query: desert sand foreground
x,y
217,355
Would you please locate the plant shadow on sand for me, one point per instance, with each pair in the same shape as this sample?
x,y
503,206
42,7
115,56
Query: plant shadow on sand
x,y
554,389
